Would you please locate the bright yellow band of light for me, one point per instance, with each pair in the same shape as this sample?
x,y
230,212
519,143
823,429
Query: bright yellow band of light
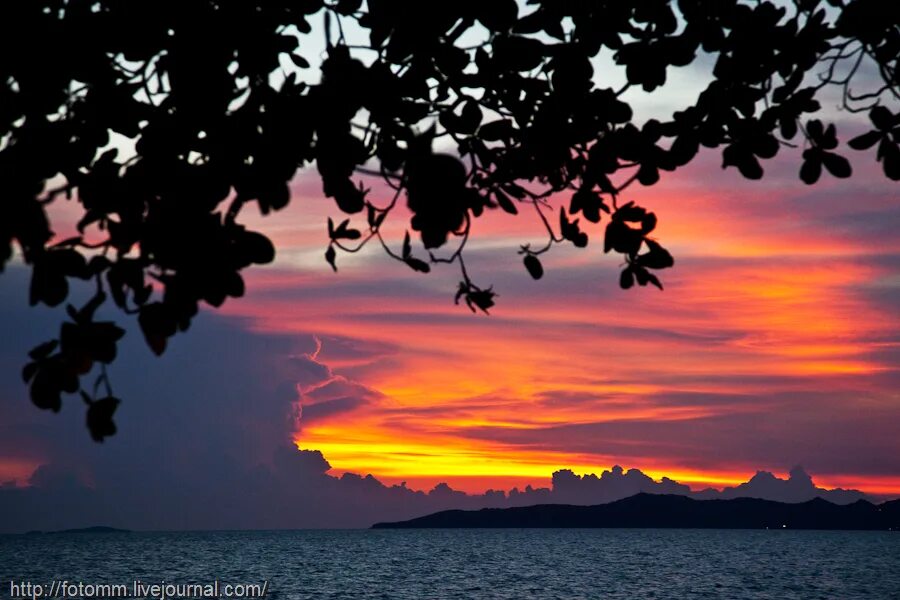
x,y
760,320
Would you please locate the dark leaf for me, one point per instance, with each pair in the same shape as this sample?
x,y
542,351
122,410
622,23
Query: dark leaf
x,y
865,141
45,390
641,274
765,146
461,291
158,324
496,131
470,118
881,117
298,61
891,161
43,350
100,418
483,299
648,174
588,203
343,232
816,130
622,238
811,168
571,231
630,212
829,139
505,202
418,265
349,198
258,247
657,257
534,267
48,285
744,160
836,164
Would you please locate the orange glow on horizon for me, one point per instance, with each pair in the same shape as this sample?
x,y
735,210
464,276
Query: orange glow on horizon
x,y
536,470
760,307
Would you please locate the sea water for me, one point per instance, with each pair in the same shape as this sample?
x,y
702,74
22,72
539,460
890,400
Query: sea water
x,y
513,564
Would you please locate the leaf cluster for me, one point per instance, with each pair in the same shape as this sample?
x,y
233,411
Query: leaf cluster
x,y
222,103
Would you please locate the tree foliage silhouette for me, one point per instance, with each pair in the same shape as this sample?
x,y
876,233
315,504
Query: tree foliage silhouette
x,y
208,91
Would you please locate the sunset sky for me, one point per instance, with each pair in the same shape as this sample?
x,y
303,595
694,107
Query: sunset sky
x,y
775,343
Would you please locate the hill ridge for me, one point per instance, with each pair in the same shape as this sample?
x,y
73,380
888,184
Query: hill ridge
x,y
672,511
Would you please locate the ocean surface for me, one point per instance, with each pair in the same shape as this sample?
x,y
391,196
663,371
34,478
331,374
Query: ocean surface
x,y
567,564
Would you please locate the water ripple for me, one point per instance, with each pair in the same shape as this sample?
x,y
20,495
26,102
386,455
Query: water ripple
x,y
568,564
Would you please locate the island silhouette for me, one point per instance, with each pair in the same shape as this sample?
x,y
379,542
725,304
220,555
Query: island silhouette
x,y
672,511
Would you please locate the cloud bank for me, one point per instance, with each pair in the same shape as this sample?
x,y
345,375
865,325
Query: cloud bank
x,y
206,442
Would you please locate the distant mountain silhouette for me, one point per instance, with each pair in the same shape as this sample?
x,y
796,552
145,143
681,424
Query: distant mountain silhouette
x,y
673,511
93,529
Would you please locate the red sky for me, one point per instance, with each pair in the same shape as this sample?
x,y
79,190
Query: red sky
x,y
774,343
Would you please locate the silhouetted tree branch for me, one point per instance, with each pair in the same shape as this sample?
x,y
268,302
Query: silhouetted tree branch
x,y
211,96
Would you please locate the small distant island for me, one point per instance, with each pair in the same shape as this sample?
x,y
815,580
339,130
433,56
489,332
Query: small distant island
x,y
672,511
94,529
